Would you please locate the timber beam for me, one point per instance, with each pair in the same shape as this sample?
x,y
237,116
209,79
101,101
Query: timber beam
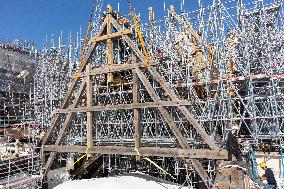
x,y
116,68
181,139
87,165
190,155
184,110
64,127
125,106
144,151
110,36
113,68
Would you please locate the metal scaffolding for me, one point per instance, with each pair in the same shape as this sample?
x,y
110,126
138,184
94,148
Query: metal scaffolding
x,y
210,69
20,149
20,155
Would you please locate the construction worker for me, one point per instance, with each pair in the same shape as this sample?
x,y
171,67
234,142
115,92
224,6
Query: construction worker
x,y
17,151
232,144
269,176
39,141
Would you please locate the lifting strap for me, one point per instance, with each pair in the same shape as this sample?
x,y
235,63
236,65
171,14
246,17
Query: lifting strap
x,y
139,35
85,44
155,164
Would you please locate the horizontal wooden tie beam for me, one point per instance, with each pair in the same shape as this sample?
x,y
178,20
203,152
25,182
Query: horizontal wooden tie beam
x,y
125,106
114,68
144,151
110,36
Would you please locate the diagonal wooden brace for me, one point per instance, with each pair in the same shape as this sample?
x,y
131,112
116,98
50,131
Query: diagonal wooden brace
x,y
70,91
184,110
168,90
64,127
181,139
72,85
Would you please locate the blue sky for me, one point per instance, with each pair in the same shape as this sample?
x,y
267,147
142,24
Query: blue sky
x,y
32,20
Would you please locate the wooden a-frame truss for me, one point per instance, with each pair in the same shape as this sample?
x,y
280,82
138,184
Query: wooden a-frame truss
x,y
84,87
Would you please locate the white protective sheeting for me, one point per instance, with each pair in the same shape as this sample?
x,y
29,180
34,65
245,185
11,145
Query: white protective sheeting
x,y
129,181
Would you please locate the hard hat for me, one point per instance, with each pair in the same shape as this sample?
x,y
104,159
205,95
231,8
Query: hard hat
x,y
262,164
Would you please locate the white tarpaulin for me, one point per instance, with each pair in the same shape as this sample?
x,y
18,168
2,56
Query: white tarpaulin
x,y
129,181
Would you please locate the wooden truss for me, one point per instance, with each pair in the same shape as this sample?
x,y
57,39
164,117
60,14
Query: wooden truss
x,y
83,87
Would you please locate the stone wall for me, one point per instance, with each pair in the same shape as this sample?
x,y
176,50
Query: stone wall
x,y
16,71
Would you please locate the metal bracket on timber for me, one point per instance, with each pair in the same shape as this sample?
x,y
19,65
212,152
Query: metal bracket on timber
x,y
86,88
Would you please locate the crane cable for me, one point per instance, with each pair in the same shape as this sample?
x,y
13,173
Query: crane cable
x,y
136,24
85,45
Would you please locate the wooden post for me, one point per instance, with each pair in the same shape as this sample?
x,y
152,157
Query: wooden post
x,y
89,94
110,56
136,112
